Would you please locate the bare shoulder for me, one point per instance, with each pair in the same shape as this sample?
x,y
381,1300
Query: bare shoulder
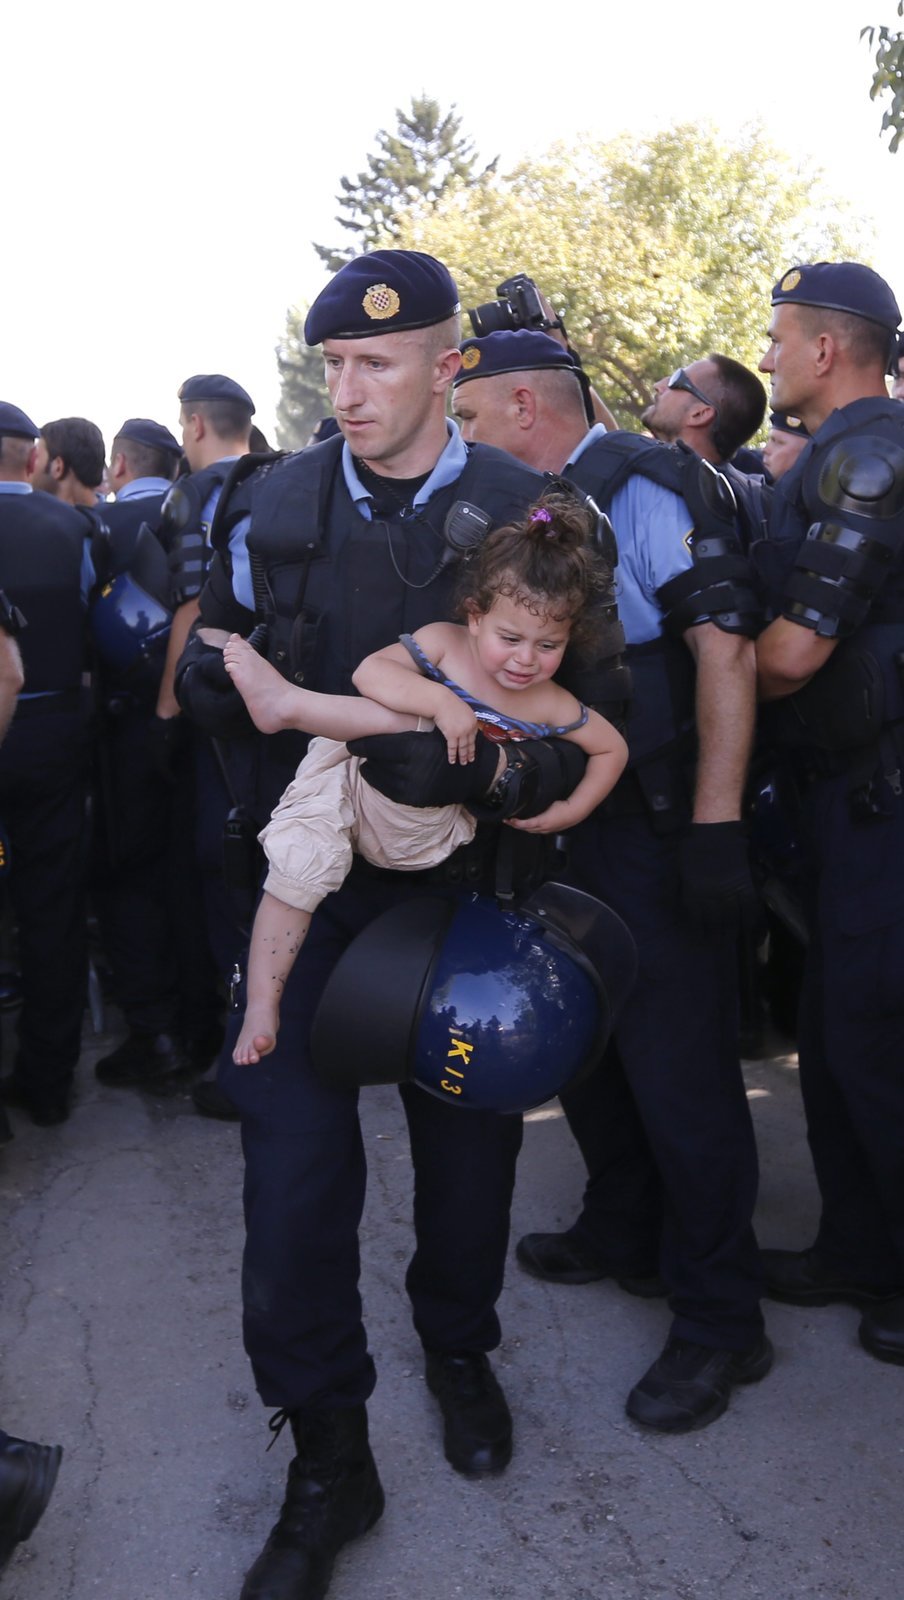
x,y
440,641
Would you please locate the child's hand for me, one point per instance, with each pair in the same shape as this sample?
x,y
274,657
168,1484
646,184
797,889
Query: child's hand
x,y
555,819
458,725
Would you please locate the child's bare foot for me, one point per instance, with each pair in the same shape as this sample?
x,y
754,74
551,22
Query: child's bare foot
x,y
266,694
258,1035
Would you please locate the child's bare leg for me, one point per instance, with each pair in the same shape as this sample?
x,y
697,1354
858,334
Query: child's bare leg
x,y
274,704
276,938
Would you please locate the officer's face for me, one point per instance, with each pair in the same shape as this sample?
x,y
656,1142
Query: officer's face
x,y
515,646
41,476
672,409
488,412
781,450
897,382
387,392
789,359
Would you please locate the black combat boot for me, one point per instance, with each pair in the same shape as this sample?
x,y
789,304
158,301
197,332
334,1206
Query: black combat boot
x,y
333,1494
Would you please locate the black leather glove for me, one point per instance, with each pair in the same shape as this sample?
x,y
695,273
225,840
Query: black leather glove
x,y
167,739
208,695
717,887
415,770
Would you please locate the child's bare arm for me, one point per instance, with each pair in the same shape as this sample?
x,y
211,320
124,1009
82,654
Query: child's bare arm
x,y
391,677
607,754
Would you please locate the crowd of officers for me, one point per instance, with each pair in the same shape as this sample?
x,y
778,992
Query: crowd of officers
x,y
740,575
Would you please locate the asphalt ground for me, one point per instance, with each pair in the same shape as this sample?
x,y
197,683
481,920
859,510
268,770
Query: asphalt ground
x,y
121,1341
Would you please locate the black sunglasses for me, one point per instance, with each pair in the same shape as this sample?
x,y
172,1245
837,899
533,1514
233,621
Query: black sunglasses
x,y
680,380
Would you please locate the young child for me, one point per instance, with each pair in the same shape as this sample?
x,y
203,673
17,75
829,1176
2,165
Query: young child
x,y
528,591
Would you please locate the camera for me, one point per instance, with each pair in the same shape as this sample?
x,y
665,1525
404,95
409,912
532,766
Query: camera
x,y
519,306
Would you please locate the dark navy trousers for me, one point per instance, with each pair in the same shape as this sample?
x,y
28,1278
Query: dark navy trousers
x,y
851,1035
667,1123
305,1172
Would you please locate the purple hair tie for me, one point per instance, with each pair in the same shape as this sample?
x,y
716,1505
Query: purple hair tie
x,y
542,515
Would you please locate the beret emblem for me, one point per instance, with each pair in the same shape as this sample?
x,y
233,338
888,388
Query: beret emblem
x,y
381,302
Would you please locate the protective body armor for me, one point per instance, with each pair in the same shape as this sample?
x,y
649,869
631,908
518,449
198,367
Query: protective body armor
x,y
41,543
716,588
184,534
834,562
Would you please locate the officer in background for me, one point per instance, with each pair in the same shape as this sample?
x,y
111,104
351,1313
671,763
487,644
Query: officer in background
x,y
830,664
27,1470
667,851
43,776
343,547
70,461
897,369
787,438
146,883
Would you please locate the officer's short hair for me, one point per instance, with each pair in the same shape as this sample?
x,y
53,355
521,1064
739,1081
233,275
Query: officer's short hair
x,y
14,452
228,419
444,335
143,461
561,388
80,445
865,342
741,401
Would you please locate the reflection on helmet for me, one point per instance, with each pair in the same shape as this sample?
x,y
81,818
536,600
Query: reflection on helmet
x,y
130,629
484,1006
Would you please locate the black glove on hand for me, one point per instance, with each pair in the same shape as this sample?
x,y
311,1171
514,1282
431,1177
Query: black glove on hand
x,y
208,695
716,884
415,770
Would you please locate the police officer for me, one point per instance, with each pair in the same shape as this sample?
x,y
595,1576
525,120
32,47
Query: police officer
x,y
667,851
787,438
831,664
341,548
897,375
43,775
146,883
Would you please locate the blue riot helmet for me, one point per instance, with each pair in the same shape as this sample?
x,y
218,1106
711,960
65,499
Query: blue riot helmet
x,y
130,618
483,1005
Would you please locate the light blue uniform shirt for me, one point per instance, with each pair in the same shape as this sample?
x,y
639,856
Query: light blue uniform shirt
x,y
449,467
652,530
143,488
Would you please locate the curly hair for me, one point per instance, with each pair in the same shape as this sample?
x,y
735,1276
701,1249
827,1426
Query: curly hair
x,y
547,563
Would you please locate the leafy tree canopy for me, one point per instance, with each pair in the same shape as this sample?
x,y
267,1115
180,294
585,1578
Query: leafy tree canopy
x,y
888,78
658,250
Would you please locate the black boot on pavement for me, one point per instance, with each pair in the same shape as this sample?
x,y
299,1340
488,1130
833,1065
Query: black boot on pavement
x,y
565,1258
689,1385
27,1476
882,1331
805,1278
478,1424
333,1494
143,1061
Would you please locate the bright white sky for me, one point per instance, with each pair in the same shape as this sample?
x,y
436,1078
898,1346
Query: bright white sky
x,y
167,165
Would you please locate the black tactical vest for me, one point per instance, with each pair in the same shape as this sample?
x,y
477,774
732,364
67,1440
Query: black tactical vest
x,y
41,544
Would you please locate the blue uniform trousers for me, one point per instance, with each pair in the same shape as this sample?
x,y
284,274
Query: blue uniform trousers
x,y
676,1048
304,1194
851,1036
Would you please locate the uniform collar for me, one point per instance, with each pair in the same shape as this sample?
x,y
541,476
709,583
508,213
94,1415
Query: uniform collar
x,y
449,467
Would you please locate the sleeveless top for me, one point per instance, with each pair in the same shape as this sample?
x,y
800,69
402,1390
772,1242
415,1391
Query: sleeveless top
x,y
495,725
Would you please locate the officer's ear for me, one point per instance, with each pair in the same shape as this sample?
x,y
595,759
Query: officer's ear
x,y
32,461
194,427
448,363
525,404
57,468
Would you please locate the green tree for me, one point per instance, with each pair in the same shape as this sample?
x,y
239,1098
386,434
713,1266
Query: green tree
x,y
656,249
412,164
888,77
303,398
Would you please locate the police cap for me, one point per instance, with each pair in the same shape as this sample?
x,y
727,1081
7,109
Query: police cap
x,y
783,422
386,291
213,386
152,434
15,423
512,350
840,286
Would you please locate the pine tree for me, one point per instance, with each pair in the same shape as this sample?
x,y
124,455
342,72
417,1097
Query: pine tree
x,y
416,163
303,397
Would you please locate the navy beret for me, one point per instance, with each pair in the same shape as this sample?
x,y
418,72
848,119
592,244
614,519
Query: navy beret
x,y
785,423
386,291
213,386
15,423
152,434
840,286
512,350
